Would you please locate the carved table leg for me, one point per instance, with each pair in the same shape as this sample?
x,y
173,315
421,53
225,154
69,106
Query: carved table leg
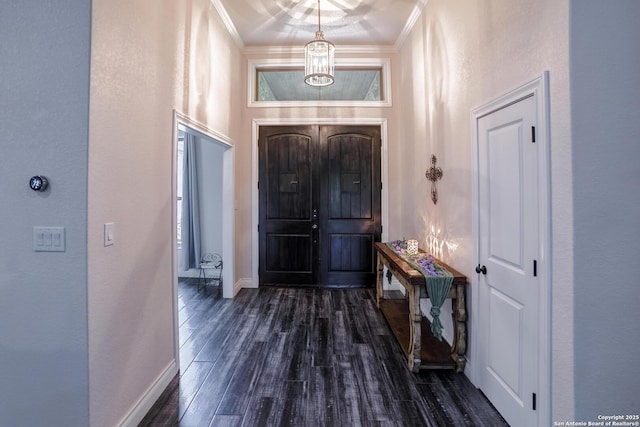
x,y
459,347
379,280
415,329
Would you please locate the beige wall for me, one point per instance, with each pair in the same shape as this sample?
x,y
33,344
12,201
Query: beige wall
x,y
147,60
459,56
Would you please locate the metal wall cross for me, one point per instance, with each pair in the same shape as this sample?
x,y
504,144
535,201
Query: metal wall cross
x,y
434,174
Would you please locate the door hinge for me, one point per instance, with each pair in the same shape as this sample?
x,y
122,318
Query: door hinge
x,y
258,228
533,401
535,268
533,134
258,185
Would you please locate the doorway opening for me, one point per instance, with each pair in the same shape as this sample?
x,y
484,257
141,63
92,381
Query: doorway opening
x,y
199,199
216,179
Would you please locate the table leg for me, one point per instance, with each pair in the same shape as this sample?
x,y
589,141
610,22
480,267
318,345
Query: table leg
x,y
459,347
415,329
379,281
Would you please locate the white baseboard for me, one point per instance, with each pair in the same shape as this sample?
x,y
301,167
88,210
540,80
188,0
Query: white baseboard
x,y
468,371
194,272
243,283
150,396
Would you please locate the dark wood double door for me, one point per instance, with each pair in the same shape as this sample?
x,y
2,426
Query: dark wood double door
x,y
320,214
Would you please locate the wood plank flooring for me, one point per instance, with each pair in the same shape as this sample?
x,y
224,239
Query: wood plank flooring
x,y
303,357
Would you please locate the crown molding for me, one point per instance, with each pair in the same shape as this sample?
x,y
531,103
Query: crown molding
x,y
228,23
296,50
413,18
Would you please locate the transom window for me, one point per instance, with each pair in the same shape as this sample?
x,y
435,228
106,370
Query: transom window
x,y
281,85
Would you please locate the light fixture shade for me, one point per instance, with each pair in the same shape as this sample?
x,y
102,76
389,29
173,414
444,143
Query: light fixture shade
x,y
319,61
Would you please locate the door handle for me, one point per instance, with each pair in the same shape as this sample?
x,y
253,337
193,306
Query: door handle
x,y
314,226
481,269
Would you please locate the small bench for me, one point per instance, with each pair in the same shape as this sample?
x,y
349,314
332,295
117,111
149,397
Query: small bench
x,y
410,328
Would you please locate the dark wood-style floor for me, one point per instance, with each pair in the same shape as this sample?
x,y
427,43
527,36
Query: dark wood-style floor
x,y
303,357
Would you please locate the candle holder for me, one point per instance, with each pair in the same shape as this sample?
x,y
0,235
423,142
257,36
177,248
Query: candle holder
x,y
412,246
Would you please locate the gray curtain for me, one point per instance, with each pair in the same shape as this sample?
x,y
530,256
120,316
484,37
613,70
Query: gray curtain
x,y
190,254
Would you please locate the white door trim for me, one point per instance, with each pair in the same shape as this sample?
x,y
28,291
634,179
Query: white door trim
x,y
384,159
539,88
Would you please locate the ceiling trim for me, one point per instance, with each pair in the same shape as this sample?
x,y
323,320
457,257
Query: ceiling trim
x,y
413,18
347,49
226,20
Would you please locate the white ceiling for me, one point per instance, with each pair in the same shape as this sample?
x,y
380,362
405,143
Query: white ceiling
x,y
344,22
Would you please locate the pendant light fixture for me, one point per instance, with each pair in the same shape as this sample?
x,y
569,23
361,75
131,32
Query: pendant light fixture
x,y
319,59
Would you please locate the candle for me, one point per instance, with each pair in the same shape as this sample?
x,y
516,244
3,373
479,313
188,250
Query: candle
x,y
412,246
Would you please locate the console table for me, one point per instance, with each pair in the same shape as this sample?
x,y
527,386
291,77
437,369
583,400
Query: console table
x,y
410,328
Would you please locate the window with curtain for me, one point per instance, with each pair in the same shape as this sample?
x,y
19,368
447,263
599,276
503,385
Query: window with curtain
x,y
180,180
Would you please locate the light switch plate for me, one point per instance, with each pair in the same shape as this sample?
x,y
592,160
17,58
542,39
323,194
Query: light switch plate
x,y
49,239
109,233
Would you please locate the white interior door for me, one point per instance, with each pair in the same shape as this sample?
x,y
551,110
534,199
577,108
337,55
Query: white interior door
x,y
508,249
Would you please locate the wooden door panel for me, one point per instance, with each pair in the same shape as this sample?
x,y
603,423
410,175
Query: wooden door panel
x,y
505,195
289,177
281,259
505,341
350,176
351,252
352,197
288,254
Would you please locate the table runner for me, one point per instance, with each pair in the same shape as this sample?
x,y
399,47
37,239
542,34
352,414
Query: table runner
x,y
438,280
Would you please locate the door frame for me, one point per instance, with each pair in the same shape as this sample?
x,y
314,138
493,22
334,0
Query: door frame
x,y
539,89
256,123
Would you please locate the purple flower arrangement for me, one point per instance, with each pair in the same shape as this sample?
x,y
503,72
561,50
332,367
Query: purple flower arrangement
x,y
426,262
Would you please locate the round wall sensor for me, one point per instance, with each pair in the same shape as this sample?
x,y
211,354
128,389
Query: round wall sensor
x,y
38,183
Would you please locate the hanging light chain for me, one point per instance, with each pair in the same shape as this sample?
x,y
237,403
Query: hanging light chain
x,y
319,59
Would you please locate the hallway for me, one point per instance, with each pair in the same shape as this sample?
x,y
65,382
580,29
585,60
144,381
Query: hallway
x,y
303,357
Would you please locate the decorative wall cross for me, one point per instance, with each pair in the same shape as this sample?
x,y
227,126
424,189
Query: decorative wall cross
x,y
434,174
